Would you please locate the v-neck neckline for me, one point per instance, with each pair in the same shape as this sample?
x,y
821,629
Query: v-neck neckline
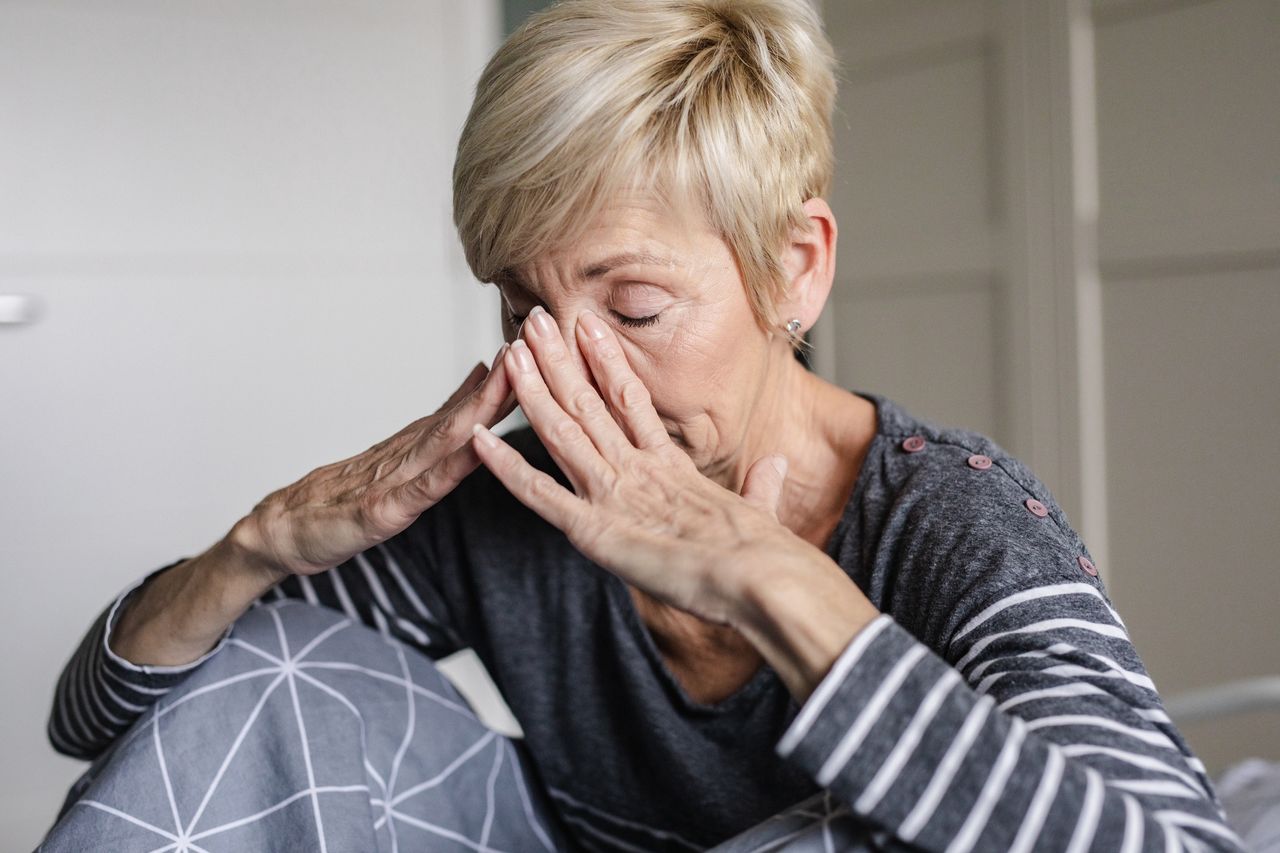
x,y
764,674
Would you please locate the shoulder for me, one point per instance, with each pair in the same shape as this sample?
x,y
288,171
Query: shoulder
x,y
964,523
956,481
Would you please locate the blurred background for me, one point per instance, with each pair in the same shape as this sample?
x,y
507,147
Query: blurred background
x,y
227,257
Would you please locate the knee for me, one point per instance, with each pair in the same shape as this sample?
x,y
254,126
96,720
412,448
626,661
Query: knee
x,y
326,643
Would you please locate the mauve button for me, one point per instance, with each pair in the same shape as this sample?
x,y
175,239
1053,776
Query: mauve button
x,y
913,444
1088,566
979,462
1037,508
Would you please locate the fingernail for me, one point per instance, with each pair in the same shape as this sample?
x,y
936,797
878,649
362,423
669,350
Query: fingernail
x,y
524,358
592,325
487,438
541,320
502,350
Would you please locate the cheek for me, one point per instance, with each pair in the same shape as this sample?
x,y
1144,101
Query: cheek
x,y
708,365
722,350
685,378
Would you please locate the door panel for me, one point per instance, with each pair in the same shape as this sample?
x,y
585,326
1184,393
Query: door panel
x,y
1189,237
1060,226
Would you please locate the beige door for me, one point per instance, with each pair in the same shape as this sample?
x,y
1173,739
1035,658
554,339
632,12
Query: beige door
x,y
1060,226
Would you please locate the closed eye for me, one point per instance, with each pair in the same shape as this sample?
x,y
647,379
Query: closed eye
x,y
633,322
636,321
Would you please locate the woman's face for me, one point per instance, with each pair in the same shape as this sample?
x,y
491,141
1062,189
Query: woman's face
x,y
672,292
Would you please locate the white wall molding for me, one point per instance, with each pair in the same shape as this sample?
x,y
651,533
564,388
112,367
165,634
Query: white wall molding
x,y
1055,345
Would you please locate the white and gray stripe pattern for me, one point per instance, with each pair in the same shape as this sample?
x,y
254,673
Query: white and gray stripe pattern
x,y
1069,753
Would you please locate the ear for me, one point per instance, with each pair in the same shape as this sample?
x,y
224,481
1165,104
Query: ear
x,y
810,264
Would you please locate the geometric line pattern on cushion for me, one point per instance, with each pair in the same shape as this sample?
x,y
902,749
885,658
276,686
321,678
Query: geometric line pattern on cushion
x,y
309,732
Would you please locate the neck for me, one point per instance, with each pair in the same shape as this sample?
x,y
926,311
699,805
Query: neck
x,y
824,431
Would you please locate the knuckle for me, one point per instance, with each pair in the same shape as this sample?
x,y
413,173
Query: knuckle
x,y
633,394
445,429
608,481
423,487
542,485
670,454
297,495
639,470
368,504
445,422
587,403
369,511
330,471
568,431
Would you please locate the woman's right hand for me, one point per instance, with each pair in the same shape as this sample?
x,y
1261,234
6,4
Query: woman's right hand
x,y
327,517
341,509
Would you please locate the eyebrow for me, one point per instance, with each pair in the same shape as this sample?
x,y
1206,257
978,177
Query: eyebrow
x,y
594,270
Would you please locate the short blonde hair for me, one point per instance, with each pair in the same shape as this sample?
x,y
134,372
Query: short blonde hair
x,y
726,104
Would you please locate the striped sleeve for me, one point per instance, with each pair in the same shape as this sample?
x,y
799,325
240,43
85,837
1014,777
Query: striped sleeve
x,y
390,589
1039,730
100,694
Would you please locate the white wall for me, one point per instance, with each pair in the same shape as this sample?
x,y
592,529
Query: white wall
x,y
235,217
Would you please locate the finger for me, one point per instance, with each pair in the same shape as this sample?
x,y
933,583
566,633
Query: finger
x,y
564,438
469,384
762,486
570,388
494,399
392,449
491,401
478,375
618,382
417,493
534,488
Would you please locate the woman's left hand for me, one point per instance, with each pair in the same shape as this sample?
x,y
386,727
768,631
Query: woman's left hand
x,y
640,507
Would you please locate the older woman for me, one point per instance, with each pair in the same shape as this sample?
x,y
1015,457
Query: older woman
x,y
710,584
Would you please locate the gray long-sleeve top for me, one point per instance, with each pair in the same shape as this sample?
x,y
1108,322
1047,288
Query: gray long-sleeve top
x,y
997,703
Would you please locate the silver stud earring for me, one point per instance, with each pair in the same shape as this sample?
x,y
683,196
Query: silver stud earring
x,y
793,326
